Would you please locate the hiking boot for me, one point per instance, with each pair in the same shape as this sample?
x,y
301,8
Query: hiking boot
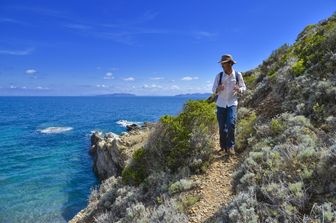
x,y
225,151
221,151
231,151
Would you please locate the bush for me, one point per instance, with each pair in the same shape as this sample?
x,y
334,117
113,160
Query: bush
x,y
138,213
156,184
244,130
135,172
249,79
189,135
277,126
181,185
168,212
288,172
324,212
178,142
243,208
188,201
298,67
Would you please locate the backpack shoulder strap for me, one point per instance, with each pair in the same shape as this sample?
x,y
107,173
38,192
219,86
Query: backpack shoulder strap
x,y
220,78
237,79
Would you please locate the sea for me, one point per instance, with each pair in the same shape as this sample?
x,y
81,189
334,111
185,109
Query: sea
x,y
45,169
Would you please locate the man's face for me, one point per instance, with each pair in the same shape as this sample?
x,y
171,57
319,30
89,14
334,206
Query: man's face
x,y
226,66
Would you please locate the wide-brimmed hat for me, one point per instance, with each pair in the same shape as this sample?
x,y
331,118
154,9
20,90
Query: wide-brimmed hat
x,y
227,58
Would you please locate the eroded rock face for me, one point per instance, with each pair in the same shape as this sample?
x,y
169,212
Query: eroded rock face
x,y
110,151
132,127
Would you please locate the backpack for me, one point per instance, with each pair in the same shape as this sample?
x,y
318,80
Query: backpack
x,y
213,97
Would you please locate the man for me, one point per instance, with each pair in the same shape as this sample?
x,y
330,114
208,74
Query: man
x,y
231,84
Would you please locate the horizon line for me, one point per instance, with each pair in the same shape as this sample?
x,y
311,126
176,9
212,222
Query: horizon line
x,y
105,95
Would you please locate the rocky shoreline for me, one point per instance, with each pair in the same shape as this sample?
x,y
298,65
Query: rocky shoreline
x,y
111,153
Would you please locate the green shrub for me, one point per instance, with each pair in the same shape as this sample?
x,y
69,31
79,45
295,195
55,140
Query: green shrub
x,y
168,212
243,208
189,135
318,109
250,79
245,130
289,174
138,154
133,175
277,126
177,142
181,185
275,61
308,48
135,172
296,188
188,201
271,73
324,212
298,68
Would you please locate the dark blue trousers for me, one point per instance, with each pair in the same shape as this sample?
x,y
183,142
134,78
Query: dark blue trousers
x,y
226,121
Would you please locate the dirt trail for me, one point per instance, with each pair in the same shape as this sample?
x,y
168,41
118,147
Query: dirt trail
x,y
215,187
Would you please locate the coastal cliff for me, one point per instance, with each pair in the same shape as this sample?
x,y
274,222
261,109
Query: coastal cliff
x,y
111,152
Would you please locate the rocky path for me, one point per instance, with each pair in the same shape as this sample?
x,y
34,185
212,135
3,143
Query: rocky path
x,y
215,188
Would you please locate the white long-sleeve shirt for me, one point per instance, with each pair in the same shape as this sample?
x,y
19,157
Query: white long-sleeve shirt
x,y
227,98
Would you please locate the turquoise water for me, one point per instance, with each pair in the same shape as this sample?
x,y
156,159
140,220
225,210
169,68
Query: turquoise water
x,y
46,176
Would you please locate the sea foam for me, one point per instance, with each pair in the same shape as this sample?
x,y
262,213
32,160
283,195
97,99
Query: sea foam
x,y
125,123
54,130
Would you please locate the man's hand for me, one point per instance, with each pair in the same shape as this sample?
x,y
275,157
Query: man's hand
x,y
236,89
220,88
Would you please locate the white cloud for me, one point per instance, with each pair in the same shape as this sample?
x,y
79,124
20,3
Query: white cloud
x,y
12,87
156,78
101,86
108,76
174,87
189,78
129,79
31,71
42,88
146,86
17,52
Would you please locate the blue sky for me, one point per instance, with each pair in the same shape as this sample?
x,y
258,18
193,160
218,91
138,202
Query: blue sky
x,y
140,47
